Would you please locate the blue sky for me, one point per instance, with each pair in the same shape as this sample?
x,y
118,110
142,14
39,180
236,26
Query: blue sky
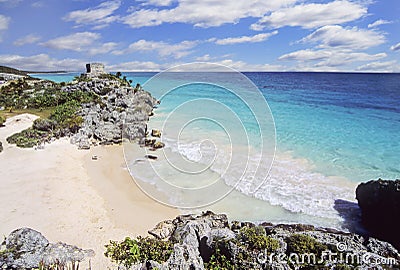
x,y
247,35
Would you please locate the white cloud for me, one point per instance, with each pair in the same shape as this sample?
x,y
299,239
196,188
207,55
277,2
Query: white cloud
x,y
29,39
243,66
330,58
103,48
377,23
37,4
206,13
11,3
4,21
41,62
245,39
159,3
76,42
164,49
388,66
204,58
312,15
335,36
395,47
99,16
135,66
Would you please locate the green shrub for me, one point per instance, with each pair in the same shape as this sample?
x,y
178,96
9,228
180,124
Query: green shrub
x,y
219,261
28,138
256,238
301,244
44,124
132,251
126,252
2,120
65,111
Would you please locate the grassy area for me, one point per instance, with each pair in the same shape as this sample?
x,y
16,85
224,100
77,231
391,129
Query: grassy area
x,y
42,113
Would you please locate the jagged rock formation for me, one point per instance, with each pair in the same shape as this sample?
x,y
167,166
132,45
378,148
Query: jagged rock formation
x,y
379,201
123,110
209,241
28,249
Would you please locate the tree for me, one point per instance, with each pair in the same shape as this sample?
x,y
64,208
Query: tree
x,y
118,74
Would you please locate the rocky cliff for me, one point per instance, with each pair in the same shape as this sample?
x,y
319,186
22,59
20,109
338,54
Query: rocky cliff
x,y
210,241
379,201
28,249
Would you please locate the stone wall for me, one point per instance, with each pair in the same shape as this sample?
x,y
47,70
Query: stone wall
x,y
94,69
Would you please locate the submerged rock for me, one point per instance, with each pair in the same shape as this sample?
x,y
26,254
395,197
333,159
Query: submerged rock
x,y
155,133
379,201
158,145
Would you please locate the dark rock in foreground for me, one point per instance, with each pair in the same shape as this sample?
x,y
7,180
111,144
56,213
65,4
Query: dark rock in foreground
x,y
380,205
209,241
28,249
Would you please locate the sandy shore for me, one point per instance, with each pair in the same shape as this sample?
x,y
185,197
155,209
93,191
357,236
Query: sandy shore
x,y
63,193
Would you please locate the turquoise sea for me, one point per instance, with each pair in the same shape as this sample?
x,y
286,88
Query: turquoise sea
x,y
333,131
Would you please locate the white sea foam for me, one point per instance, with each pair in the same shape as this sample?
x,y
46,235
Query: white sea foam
x,y
291,183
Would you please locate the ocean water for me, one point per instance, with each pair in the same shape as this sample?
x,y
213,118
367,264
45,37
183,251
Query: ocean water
x,y
290,148
56,77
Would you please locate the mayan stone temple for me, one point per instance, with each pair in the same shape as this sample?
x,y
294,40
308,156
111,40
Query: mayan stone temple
x,y
94,69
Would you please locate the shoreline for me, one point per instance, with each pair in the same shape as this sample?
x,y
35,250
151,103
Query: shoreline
x,y
68,197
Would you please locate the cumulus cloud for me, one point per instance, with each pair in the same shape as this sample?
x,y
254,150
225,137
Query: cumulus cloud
x,y
204,13
103,48
312,15
41,62
204,58
335,36
245,39
29,39
163,49
135,66
159,3
4,21
377,23
99,16
75,42
243,66
388,66
330,58
395,47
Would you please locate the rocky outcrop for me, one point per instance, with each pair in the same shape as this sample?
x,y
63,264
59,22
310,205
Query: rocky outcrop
x,y
1,147
122,112
379,201
209,241
28,249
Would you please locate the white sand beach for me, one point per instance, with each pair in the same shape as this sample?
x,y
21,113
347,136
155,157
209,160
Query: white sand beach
x,y
68,197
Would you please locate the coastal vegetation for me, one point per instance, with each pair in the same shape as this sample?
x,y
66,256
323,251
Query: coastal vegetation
x,y
58,105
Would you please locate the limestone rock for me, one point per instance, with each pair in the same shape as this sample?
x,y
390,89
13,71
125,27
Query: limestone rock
x,y
25,248
163,230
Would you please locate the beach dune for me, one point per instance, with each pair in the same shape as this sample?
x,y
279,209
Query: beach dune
x,y
70,197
